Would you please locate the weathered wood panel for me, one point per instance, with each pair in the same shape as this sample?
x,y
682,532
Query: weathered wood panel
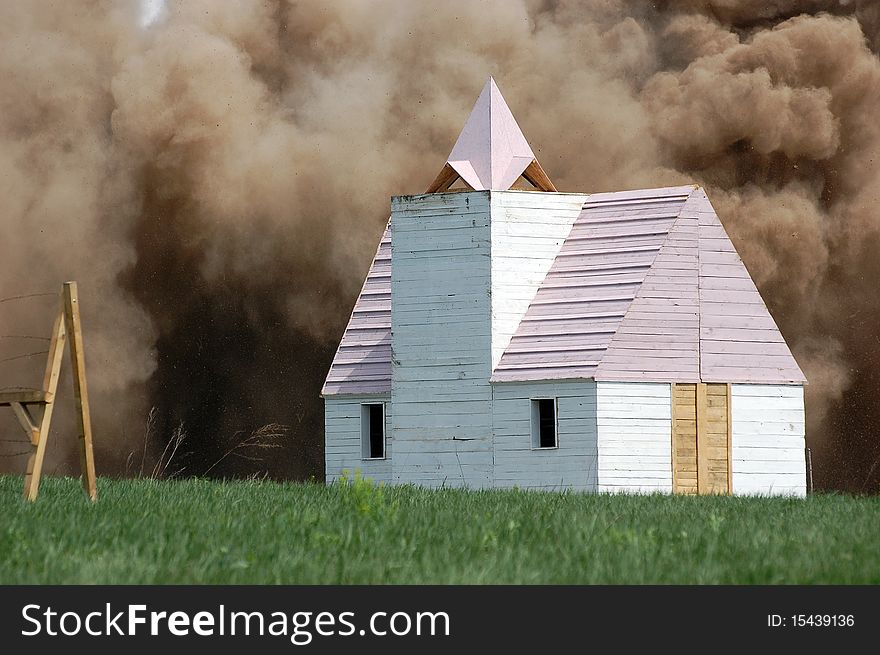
x,y
713,440
634,427
342,438
684,438
573,465
700,438
441,326
767,439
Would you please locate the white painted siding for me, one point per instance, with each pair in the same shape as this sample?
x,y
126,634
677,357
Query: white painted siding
x,y
342,438
441,327
573,465
768,439
634,422
528,229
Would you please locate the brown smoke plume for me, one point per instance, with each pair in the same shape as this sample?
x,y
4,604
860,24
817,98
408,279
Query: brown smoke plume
x,y
217,180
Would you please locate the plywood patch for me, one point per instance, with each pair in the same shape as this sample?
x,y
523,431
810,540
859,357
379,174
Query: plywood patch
x,y
713,438
701,438
684,438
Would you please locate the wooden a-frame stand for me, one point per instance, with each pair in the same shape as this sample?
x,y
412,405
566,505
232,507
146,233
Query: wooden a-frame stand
x,y
67,328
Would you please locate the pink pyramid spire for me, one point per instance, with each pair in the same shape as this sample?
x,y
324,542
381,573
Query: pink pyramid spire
x,y
491,152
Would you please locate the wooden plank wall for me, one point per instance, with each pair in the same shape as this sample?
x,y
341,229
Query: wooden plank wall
x,y
573,465
767,435
633,421
342,438
442,343
528,229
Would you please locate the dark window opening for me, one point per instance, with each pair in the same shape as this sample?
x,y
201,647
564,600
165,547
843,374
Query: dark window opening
x,y
373,431
544,423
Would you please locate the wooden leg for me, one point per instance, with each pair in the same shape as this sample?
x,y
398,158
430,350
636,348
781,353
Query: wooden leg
x,y
35,461
40,436
80,388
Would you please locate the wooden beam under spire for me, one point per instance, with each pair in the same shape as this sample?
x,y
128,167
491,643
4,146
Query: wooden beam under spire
x,y
445,179
536,176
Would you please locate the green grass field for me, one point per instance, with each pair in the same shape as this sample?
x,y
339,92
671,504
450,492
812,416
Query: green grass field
x,y
198,531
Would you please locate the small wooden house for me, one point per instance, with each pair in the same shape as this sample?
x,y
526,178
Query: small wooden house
x,y
604,342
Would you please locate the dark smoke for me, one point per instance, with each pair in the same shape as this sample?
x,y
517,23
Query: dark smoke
x,y
217,180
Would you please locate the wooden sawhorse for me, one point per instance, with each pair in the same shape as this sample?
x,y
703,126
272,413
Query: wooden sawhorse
x,y
27,402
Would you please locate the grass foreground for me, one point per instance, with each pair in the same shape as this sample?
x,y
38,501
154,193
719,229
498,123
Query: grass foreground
x,y
204,532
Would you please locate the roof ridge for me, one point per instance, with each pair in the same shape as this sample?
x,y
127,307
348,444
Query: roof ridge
x,y
649,193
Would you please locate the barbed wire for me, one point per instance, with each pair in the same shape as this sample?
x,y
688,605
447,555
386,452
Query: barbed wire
x,y
25,337
18,454
26,355
25,296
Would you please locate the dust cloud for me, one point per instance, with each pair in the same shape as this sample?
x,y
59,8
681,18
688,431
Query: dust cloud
x,y
216,177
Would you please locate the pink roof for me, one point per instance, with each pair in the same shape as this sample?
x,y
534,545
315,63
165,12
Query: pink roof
x,y
491,151
591,285
739,340
362,364
648,286
659,336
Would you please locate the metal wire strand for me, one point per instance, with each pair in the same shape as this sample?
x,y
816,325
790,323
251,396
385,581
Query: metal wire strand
x,y
23,336
10,359
24,452
26,295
